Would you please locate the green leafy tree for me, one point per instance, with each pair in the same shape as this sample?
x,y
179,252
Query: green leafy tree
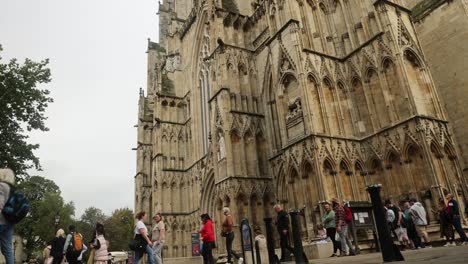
x,y
119,229
45,199
22,107
88,221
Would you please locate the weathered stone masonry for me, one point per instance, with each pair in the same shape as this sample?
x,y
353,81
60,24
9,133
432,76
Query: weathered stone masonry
x,y
253,102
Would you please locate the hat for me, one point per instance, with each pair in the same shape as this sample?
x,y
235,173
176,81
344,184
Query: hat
x,y
7,176
335,200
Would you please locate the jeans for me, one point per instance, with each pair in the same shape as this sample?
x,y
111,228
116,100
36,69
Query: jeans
x,y
148,250
457,225
157,248
230,252
344,239
6,244
331,232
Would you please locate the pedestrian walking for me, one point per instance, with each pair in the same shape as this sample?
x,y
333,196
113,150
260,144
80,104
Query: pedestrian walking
x,y
401,230
453,215
390,217
141,234
228,233
342,228
328,220
7,180
415,240
157,235
418,213
208,239
446,228
56,250
46,253
100,245
395,223
73,245
282,225
262,252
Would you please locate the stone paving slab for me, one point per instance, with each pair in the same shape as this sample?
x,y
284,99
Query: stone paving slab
x,y
439,255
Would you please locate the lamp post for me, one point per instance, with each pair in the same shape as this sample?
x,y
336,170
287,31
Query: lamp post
x,y
57,220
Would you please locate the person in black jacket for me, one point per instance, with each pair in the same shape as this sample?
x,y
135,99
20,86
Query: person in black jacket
x,y
57,247
453,216
282,224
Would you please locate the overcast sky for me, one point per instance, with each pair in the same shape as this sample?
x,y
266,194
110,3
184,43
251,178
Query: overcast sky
x,y
98,62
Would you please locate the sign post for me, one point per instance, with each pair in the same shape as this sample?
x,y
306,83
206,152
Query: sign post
x,y
246,240
196,245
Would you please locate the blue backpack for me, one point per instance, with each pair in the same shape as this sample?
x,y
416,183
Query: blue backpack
x,y
16,207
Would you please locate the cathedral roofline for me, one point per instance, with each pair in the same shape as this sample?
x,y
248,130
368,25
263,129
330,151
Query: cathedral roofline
x,y
402,8
425,8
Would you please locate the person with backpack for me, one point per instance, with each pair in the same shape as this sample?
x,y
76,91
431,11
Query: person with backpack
x,y
7,180
73,245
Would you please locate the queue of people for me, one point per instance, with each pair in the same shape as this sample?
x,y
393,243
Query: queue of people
x,y
408,224
70,248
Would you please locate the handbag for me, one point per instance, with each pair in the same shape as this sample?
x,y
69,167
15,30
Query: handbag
x,y
135,245
91,256
138,243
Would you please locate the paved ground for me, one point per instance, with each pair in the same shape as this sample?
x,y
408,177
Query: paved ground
x,y
439,255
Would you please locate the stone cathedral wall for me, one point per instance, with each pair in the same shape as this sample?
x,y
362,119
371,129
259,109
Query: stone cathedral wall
x,y
250,103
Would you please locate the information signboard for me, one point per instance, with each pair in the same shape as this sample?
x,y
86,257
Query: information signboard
x,y
196,245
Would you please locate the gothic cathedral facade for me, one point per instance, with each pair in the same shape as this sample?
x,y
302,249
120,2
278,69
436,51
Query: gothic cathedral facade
x,y
254,102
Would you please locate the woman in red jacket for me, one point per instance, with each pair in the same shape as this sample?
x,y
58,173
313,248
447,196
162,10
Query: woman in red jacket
x,y
208,239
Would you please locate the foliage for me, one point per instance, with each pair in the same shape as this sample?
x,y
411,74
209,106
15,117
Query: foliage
x,y
45,201
22,106
119,229
88,221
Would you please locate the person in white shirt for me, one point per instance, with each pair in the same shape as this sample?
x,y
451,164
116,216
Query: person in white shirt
x,y
141,234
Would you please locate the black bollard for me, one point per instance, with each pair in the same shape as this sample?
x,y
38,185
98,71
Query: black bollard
x,y
296,232
390,252
270,240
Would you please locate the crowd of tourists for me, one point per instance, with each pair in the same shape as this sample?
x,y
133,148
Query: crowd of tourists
x,y
408,223
71,248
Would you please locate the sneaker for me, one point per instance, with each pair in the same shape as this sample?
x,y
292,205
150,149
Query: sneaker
x,y
333,255
453,244
428,246
241,260
447,244
464,243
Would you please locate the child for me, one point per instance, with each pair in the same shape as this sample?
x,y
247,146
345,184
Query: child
x,y
322,232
